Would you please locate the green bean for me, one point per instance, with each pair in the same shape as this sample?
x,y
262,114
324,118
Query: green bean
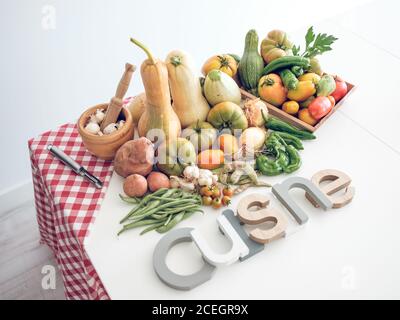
x,y
168,220
133,200
136,224
171,224
165,205
152,227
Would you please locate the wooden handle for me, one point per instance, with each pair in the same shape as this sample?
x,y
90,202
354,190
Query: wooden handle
x,y
125,81
112,113
115,106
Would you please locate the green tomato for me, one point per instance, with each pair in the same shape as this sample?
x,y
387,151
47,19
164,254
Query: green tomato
x,y
201,134
174,157
227,115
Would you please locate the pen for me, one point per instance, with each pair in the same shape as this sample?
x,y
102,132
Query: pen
x,y
76,167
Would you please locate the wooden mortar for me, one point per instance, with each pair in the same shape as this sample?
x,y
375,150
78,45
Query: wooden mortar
x,y
105,147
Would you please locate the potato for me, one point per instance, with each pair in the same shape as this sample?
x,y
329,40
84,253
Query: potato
x,y
135,156
135,185
157,180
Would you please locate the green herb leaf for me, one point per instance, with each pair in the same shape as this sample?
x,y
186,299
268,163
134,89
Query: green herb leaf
x,y
296,50
317,45
310,37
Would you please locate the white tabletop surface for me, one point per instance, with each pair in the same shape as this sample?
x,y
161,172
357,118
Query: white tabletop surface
x,y
352,252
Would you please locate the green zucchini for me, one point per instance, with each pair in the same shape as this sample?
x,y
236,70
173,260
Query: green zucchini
x,y
251,65
289,79
286,62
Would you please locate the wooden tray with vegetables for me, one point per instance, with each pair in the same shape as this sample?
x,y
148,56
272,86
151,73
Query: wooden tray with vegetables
x,y
293,85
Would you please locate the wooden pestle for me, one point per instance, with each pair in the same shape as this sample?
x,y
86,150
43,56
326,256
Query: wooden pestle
x,y
115,106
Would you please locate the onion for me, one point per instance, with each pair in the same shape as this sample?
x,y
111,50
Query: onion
x,y
254,110
252,139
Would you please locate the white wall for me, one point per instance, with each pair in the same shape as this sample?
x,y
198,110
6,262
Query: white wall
x,y
49,76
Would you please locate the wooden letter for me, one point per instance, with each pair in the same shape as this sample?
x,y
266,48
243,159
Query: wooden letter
x,y
261,215
339,180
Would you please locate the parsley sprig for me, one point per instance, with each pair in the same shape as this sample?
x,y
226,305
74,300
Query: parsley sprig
x,y
315,44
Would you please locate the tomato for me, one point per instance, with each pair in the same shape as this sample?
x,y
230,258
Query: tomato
x,y
206,191
320,107
226,200
228,144
216,203
228,191
224,62
272,90
207,200
210,159
341,89
216,193
304,115
332,100
291,107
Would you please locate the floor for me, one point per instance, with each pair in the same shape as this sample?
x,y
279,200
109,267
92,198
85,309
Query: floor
x,y
23,259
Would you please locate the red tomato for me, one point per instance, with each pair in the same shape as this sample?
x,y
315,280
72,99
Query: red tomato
x,y
332,100
341,89
216,203
320,107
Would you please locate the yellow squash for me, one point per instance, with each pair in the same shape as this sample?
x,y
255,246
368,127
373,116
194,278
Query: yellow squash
x,y
188,101
159,121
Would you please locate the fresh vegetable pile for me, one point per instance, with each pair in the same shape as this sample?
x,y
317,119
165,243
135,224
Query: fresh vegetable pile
x,y
201,143
295,82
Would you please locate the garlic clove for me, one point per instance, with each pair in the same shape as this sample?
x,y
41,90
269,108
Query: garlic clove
x,y
110,128
120,124
92,127
99,115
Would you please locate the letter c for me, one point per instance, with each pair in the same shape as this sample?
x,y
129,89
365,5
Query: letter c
x,y
170,278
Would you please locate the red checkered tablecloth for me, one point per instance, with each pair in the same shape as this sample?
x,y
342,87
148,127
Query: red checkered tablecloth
x,y
66,206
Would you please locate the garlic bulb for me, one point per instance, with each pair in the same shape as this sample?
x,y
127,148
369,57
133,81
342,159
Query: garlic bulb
x,y
99,115
191,172
110,128
93,127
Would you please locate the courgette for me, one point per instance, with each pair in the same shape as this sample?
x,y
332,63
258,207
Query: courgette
x,y
286,62
251,65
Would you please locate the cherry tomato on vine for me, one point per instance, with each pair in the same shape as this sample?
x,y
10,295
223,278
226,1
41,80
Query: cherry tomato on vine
x,y
206,191
207,200
226,201
228,191
216,203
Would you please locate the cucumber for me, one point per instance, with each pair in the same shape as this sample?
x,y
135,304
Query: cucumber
x,y
286,62
289,79
251,65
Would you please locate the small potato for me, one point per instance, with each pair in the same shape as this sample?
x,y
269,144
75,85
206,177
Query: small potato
x,y
135,185
157,180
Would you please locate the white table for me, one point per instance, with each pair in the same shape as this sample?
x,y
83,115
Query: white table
x,y
352,252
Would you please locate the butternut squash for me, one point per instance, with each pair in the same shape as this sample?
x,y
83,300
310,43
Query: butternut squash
x,y
158,113
188,101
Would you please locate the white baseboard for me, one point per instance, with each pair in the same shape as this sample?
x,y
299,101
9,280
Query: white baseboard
x,y
14,196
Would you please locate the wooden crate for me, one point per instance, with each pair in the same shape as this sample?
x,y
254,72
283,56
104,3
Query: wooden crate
x,y
279,113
